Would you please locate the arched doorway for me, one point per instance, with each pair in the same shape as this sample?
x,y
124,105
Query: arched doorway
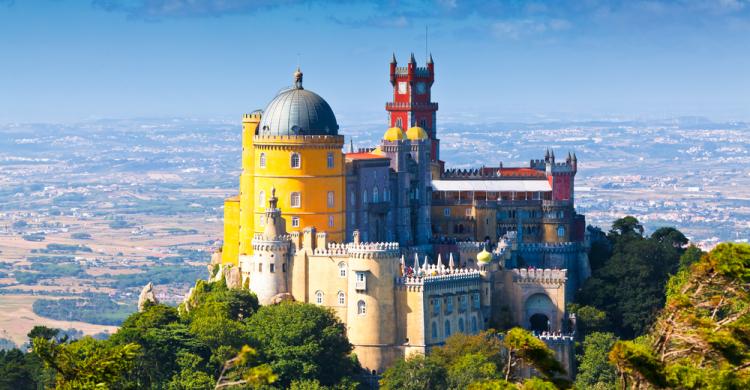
x,y
541,313
539,323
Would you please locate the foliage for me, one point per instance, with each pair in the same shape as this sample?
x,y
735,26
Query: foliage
x,y
629,286
594,369
18,370
302,341
484,361
702,338
86,363
415,373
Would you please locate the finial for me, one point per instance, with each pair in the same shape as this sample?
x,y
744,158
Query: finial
x,y
351,145
574,157
440,261
546,155
412,60
416,263
298,78
393,59
553,155
429,60
451,264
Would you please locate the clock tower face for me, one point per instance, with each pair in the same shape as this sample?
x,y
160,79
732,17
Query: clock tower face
x,y
421,88
402,87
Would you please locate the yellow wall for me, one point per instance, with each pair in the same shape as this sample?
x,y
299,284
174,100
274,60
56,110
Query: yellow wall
x,y
230,250
247,200
312,180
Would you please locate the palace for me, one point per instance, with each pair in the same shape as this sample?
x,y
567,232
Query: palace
x,y
403,250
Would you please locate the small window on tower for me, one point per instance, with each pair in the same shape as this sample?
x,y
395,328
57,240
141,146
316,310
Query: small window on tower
x,y
447,212
330,199
294,200
272,268
402,87
423,123
295,221
295,160
262,198
331,221
330,160
468,212
398,123
262,160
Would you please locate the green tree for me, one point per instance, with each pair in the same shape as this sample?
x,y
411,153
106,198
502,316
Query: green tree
x,y
594,369
627,226
524,348
86,363
691,256
18,370
415,373
702,338
589,319
302,341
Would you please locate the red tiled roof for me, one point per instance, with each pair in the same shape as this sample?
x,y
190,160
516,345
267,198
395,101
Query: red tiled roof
x,y
514,171
363,156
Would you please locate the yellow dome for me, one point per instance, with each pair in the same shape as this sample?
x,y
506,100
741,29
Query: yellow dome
x,y
484,256
378,150
393,134
416,133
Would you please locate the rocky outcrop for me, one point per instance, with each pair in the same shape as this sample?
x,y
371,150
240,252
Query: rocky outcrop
x,y
147,296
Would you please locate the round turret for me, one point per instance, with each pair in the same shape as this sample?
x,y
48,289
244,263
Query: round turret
x,y
417,133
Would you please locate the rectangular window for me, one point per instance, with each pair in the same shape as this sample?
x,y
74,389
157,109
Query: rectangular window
x,y
330,160
468,212
260,267
330,221
352,198
447,212
330,199
272,268
295,221
295,199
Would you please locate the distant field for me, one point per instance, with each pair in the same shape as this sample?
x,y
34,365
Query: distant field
x,y
17,319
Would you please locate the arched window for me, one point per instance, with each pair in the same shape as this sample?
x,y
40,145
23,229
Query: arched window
x,y
461,325
295,160
342,298
434,330
329,160
262,198
262,160
399,123
364,196
474,324
361,308
330,199
295,200
447,328
561,231
342,269
331,221
375,195
319,297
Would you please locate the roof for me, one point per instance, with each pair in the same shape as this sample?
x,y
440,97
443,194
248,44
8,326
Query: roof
x,y
297,111
491,185
364,156
514,171
416,133
394,134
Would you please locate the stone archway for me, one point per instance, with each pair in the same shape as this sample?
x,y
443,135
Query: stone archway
x,y
540,313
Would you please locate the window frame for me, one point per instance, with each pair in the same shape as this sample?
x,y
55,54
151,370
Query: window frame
x,y
298,196
295,158
295,221
262,160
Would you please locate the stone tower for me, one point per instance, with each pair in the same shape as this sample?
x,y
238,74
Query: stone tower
x,y
271,256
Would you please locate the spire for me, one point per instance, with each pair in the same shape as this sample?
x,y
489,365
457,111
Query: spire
x,y
440,262
546,155
553,155
416,263
412,60
574,157
351,145
298,79
393,59
451,264
426,263
429,60
569,157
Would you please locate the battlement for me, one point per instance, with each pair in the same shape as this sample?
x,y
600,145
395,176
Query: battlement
x,y
299,140
410,106
281,237
434,276
470,245
532,275
550,247
252,117
373,249
418,71
556,337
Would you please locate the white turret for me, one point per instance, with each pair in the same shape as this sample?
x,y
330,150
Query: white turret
x,y
268,273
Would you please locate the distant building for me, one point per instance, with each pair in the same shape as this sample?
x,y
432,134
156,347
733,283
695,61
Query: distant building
x,y
405,251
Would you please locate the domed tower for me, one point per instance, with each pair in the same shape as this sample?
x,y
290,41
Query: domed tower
x,y
298,151
271,256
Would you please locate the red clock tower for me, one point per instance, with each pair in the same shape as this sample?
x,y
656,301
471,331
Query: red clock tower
x,y
412,105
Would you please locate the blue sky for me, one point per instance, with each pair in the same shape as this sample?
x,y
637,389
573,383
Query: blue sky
x,y
66,60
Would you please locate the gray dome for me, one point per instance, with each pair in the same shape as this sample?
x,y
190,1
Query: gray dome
x,y
297,111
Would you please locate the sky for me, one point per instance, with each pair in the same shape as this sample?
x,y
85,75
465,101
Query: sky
x,y
68,60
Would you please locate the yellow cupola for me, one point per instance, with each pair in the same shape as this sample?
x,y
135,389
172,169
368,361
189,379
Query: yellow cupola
x,y
394,134
416,133
484,256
